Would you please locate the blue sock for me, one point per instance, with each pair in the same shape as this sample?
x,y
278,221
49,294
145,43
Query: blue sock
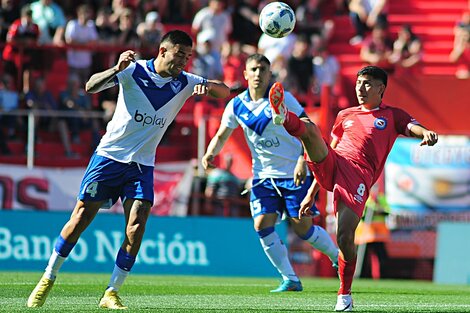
x,y
309,233
265,232
124,260
63,247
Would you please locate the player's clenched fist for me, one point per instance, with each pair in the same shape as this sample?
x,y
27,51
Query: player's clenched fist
x,y
125,59
201,89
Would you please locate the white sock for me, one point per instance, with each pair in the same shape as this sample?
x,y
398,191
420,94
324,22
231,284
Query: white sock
x,y
322,241
117,278
53,267
277,254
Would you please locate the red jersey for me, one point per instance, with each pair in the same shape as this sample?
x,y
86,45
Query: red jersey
x,y
17,32
366,137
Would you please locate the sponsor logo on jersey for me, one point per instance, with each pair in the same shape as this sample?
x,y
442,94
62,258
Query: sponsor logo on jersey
x,y
266,143
348,124
358,198
380,123
144,81
145,119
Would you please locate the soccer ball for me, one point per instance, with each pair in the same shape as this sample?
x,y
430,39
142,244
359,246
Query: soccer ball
x,y
277,19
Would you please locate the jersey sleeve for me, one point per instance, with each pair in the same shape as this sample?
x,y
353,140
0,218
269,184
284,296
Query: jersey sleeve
x,y
337,130
228,117
124,76
194,79
292,104
403,121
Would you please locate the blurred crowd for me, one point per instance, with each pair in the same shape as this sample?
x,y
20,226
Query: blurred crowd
x,y
225,32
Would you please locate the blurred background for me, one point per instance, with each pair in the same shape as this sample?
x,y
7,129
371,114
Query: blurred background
x,y
417,217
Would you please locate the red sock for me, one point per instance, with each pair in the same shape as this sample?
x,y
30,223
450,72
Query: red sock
x,y
294,125
346,273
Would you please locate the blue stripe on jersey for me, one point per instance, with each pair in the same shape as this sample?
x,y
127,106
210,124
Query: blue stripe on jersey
x,y
158,96
256,123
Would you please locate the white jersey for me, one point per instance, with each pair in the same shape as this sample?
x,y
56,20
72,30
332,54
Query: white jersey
x,y
274,151
147,104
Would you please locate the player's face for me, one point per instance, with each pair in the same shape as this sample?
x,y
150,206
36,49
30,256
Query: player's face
x,y
258,74
175,59
369,91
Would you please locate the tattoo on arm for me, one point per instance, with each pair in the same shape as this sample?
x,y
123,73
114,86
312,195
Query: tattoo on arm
x,y
101,80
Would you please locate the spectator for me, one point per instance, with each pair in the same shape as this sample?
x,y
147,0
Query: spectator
x,y
150,33
9,12
461,50
146,6
299,76
310,20
407,48
127,36
365,14
277,50
22,32
51,21
74,99
40,98
326,69
9,101
233,61
246,19
378,48
208,62
222,190
81,31
107,30
213,17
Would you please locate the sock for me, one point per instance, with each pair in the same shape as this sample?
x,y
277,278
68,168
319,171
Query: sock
x,y
124,263
346,273
55,263
61,252
294,125
321,240
276,252
117,278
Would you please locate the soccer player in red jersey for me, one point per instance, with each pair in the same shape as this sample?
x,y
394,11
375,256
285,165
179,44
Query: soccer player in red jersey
x,y
362,139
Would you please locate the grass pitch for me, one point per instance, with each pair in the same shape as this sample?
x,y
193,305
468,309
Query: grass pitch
x,y
79,292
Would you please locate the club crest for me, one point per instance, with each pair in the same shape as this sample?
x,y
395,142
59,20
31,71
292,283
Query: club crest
x,y
380,123
175,86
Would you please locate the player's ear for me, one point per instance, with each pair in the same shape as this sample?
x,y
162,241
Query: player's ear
x,y
245,74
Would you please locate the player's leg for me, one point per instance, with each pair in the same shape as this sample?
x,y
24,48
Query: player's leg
x,y
347,221
136,213
304,129
138,194
316,236
304,228
276,252
81,217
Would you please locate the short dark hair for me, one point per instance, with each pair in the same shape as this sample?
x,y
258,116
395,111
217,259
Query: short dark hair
x,y
259,58
177,37
374,72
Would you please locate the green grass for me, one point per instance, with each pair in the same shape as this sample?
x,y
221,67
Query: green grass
x,y
80,293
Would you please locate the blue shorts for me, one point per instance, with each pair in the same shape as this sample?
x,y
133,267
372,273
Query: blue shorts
x,y
266,199
107,180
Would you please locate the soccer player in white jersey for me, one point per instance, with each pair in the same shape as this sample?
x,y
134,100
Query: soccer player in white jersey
x,y
151,92
280,176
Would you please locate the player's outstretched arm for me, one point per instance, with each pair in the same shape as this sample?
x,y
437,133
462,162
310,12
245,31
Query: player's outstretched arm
x,y
215,146
103,80
428,137
213,88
